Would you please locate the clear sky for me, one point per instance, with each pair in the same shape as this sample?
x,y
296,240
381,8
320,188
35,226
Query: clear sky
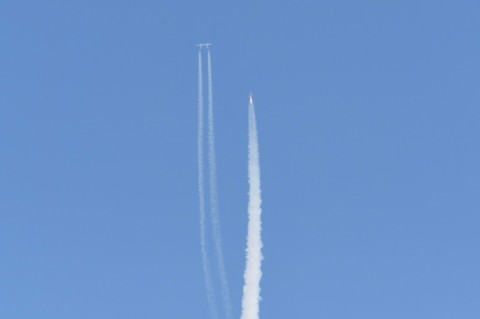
x,y
368,117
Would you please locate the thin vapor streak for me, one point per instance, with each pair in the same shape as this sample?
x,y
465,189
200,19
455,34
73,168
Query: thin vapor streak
x,y
212,304
253,267
216,229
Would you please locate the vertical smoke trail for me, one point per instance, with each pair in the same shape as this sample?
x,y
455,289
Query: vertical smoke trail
x,y
217,237
201,194
253,270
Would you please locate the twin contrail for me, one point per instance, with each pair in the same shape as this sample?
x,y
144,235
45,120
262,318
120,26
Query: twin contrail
x,y
253,268
214,210
212,304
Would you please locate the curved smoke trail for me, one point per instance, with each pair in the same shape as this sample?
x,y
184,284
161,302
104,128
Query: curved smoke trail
x,y
253,268
217,237
201,194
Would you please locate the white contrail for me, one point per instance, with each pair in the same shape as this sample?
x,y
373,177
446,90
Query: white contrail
x,y
253,268
217,237
201,194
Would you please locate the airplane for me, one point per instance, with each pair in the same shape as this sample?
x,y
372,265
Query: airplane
x,y
203,45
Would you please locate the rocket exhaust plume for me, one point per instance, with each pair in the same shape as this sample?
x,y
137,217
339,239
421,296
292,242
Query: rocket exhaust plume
x,y
253,267
212,305
216,229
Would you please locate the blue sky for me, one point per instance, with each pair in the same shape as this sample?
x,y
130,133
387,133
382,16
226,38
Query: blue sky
x,y
368,119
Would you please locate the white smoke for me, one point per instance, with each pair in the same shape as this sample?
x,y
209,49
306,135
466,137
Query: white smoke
x,y
216,229
253,268
212,305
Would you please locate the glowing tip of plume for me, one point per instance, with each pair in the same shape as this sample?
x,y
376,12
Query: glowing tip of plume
x,y
251,99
